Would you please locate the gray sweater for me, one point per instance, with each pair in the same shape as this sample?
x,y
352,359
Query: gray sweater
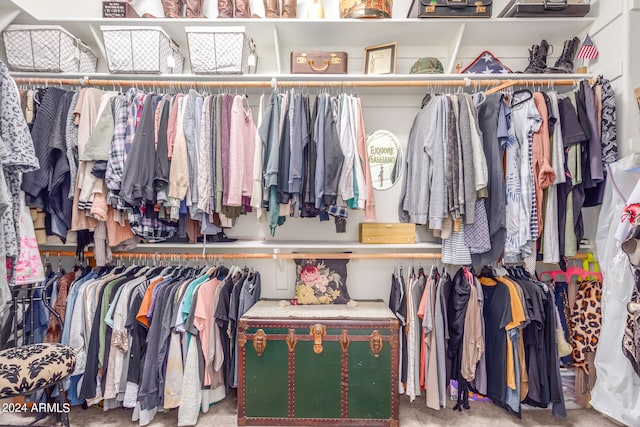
x,y
424,192
468,170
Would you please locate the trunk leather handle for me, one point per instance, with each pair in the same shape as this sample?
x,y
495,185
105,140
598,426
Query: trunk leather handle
x,y
317,332
321,68
292,340
260,342
344,340
375,343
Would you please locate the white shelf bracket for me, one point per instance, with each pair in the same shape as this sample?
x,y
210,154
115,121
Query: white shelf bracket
x,y
454,47
7,18
276,42
97,35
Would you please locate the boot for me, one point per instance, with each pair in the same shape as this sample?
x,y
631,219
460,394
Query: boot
x,y
289,8
172,8
271,9
242,9
225,9
564,64
194,8
537,58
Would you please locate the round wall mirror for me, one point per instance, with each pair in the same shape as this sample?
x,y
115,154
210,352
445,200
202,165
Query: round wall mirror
x,y
385,159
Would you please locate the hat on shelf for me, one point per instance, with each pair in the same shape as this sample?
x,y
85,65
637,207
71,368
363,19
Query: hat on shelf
x,y
427,65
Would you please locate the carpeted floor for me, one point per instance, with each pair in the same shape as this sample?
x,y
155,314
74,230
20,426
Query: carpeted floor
x,y
412,414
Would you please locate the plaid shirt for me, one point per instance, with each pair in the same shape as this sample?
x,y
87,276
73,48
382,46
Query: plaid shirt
x,y
115,163
128,109
151,230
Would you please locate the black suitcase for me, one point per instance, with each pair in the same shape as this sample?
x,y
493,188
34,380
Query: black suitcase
x,y
455,9
545,8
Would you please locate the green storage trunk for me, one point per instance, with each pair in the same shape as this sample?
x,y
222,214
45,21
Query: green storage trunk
x,y
318,365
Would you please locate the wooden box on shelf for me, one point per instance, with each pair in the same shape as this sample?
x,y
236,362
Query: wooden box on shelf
x,y
387,233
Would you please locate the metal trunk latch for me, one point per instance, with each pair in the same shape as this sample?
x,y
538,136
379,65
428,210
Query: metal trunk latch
x,y
260,342
375,343
480,8
292,340
344,340
317,332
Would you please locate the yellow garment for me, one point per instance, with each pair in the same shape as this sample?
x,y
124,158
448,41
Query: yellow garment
x,y
517,319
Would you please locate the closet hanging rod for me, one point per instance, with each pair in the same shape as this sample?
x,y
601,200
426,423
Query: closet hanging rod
x,y
333,255
461,82
239,255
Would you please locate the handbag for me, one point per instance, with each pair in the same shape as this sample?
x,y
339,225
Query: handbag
x,y
455,9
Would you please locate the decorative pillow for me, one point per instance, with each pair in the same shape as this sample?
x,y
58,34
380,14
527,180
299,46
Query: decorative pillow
x,y
486,63
321,281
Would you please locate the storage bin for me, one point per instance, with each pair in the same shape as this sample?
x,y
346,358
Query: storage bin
x,y
221,50
48,48
141,50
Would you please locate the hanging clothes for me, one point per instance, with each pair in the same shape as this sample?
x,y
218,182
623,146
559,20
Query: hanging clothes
x,y
166,317
484,204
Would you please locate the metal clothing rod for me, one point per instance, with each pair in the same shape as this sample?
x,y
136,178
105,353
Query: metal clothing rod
x,y
461,82
333,255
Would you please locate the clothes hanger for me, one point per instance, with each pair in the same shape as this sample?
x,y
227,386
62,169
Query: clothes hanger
x,y
516,101
488,271
554,274
591,260
582,273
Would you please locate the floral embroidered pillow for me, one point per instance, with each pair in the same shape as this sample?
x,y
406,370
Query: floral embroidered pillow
x,y
321,281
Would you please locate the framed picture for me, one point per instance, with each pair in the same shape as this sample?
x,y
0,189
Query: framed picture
x,y
380,59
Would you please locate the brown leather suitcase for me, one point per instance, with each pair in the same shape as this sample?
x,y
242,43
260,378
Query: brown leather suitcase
x,y
319,62
545,8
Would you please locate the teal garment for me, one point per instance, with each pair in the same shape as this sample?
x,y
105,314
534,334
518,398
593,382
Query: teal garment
x,y
185,307
188,296
275,220
353,203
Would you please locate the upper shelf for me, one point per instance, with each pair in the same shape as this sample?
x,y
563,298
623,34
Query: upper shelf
x,y
453,41
354,32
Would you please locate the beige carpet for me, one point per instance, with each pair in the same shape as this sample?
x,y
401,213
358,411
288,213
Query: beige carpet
x,y
412,414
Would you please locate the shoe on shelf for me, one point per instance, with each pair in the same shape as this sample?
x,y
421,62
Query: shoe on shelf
x,y
564,64
537,58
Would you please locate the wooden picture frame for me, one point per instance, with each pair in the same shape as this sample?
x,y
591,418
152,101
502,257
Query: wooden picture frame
x,y
380,59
